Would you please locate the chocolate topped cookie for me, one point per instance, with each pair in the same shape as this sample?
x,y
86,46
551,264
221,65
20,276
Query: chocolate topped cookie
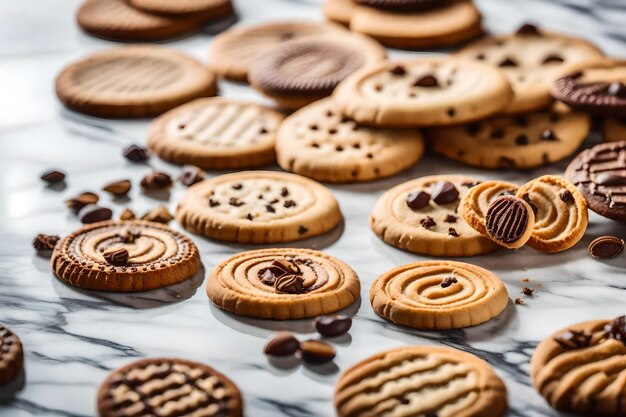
x,y
510,221
11,355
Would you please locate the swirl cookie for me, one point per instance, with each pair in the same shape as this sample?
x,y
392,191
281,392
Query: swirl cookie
x,y
560,213
614,130
531,59
283,284
476,201
438,295
133,81
423,92
216,133
421,216
205,9
320,143
424,381
258,207
132,255
598,173
11,355
504,142
168,388
582,368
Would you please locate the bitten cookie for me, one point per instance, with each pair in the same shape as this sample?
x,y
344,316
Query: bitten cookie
x,y
421,216
613,130
476,201
133,81
258,207
598,173
504,142
11,355
423,92
168,387
216,133
582,368
421,381
283,284
560,213
132,255
205,9
531,59
320,143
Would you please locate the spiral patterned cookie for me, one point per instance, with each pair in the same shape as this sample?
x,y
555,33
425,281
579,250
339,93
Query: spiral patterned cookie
x,y
474,205
132,255
561,215
11,355
168,388
425,381
283,284
258,207
582,368
438,295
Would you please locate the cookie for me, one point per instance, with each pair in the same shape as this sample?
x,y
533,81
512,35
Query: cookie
x,y
116,20
613,130
133,81
423,92
11,355
300,72
132,255
320,143
258,207
421,381
283,284
206,9
598,88
477,200
420,216
216,133
168,388
598,173
509,221
560,213
505,142
339,11
404,5
582,368
531,59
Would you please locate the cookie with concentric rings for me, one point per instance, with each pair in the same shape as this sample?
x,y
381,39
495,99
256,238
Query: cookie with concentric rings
x,y
11,355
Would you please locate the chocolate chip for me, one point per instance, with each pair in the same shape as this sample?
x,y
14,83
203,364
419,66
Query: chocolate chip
x,y
473,129
136,153
237,186
521,121
235,202
519,301
284,192
444,192
427,80
302,230
417,200
450,218
506,162
159,214
605,247
93,213
572,339
127,214
77,203
507,219
528,291
617,89
44,242
447,281
428,222
532,205
281,344
398,70
528,29
480,57
333,326
452,232
497,133
156,180
213,203
470,184
317,351
249,216
553,58
451,112
617,329
508,62
548,135
118,188
270,209
521,140
52,176
290,284
566,196
116,255
191,175
289,203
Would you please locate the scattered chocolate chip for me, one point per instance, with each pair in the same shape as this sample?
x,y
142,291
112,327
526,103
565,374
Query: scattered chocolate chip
x,y
528,29
606,247
128,214
428,222
398,70
317,351
213,203
77,203
553,59
52,176
156,180
519,301
290,284
480,57
302,230
532,205
617,329
566,196
249,216
497,133
190,175
451,112
263,131
284,192
116,255
237,186
617,89
548,135
270,209
118,188
450,218
444,192
427,80
289,203
417,200
44,242
447,281
333,326
159,214
93,213
521,140
508,62
136,153
572,339
528,291
281,344
452,232
235,202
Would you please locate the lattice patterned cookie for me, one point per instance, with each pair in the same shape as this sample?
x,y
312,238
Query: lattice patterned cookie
x,y
11,355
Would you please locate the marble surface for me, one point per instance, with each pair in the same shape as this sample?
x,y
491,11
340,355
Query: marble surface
x,y
74,338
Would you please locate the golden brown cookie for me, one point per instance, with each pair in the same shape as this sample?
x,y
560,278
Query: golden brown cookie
x,y
258,207
283,284
613,130
168,388
133,81
320,143
582,368
339,11
216,133
205,9
132,255
475,203
11,355
421,216
421,381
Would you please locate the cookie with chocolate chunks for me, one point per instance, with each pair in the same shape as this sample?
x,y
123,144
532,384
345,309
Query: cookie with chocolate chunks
x,y
11,355
510,221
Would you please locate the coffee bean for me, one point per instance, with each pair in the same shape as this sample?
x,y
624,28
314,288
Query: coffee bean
x,y
191,175
333,326
118,188
447,281
281,344
127,214
77,203
116,255
136,153
52,176
605,247
317,351
93,213
156,180
444,192
44,242
417,200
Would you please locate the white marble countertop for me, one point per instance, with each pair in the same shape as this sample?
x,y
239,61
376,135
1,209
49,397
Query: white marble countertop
x,y
74,338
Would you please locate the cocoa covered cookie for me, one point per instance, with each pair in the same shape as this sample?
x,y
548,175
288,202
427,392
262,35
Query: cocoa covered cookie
x,y
11,355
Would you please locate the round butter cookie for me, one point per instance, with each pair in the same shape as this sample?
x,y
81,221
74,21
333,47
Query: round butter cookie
x,y
205,9
320,143
283,284
133,255
423,92
133,81
424,381
168,387
216,133
258,207
11,355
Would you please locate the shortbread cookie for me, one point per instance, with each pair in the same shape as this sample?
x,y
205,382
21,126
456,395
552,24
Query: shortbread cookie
x,y
283,284
438,295
424,381
598,173
614,130
206,9
598,88
258,207
115,19
560,213
168,387
132,255
320,143
476,201
532,59
300,72
421,216
582,368
11,355
133,81
509,221
423,92
504,142
216,133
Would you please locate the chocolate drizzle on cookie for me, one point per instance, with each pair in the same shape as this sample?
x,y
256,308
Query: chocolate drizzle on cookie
x,y
507,219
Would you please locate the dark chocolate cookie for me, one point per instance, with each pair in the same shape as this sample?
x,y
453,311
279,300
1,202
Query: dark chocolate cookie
x,y
11,355
404,5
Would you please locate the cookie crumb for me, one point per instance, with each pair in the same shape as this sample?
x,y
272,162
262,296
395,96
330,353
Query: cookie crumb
x,y
519,301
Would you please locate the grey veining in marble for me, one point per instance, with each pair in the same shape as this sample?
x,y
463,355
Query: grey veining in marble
x,y
74,338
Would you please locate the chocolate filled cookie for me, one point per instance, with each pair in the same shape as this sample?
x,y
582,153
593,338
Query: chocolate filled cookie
x,y
509,221
11,355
